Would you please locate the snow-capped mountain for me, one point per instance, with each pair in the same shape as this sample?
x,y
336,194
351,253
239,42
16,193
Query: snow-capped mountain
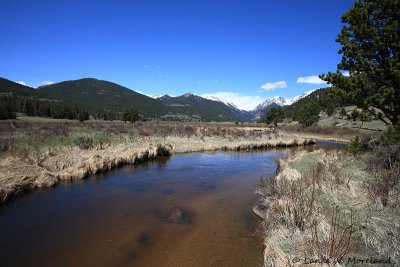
x,y
280,101
162,97
297,98
276,101
204,108
217,99
195,103
204,96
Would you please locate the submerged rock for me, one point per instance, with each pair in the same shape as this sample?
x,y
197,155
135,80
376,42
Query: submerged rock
x,y
176,215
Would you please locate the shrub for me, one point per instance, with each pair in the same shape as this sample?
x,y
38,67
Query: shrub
x,y
145,130
355,146
130,114
83,116
391,136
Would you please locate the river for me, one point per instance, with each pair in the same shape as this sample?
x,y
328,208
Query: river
x,y
185,210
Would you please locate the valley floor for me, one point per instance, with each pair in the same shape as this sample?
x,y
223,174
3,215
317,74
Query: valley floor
x,y
39,154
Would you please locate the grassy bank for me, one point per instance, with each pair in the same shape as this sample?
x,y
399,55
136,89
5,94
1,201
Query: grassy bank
x,y
332,208
329,133
38,153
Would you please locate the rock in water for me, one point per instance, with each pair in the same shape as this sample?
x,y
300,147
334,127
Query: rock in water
x,y
176,215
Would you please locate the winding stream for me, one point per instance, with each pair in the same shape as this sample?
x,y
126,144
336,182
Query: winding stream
x,y
186,210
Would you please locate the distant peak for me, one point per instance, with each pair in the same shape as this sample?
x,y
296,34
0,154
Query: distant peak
x,y
189,95
281,101
166,96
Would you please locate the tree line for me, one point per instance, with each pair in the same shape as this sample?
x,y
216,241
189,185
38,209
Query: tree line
x,y
30,106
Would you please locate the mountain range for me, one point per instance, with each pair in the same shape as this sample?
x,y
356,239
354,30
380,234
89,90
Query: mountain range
x,y
106,95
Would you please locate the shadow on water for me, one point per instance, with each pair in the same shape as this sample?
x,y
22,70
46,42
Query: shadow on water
x,y
186,210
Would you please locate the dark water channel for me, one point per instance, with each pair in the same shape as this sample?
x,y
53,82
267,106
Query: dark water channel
x,y
186,210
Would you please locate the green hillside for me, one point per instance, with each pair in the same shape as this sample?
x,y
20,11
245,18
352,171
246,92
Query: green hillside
x,y
192,105
16,89
323,99
114,97
97,96
104,95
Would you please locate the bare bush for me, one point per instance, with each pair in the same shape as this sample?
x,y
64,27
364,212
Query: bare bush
x,y
118,128
337,243
145,131
295,203
384,165
103,142
6,143
84,143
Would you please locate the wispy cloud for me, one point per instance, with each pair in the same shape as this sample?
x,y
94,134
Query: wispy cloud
x,y
274,85
313,79
241,101
346,73
47,82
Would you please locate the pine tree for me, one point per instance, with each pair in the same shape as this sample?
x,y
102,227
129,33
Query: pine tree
x,y
371,54
343,113
130,114
274,115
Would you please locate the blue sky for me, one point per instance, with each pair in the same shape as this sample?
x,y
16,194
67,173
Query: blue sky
x,y
242,51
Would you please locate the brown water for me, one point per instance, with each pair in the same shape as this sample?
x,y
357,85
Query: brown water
x,y
118,218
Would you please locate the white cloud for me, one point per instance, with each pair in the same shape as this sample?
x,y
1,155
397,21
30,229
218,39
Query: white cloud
x,y
47,82
274,85
22,82
241,101
314,79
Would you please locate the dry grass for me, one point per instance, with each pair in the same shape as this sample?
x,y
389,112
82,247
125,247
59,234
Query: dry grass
x,y
325,211
39,154
331,133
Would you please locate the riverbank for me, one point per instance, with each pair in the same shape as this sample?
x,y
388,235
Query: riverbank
x,y
85,149
328,207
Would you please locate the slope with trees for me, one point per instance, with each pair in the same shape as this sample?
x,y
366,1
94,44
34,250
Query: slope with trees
x,y
103,95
